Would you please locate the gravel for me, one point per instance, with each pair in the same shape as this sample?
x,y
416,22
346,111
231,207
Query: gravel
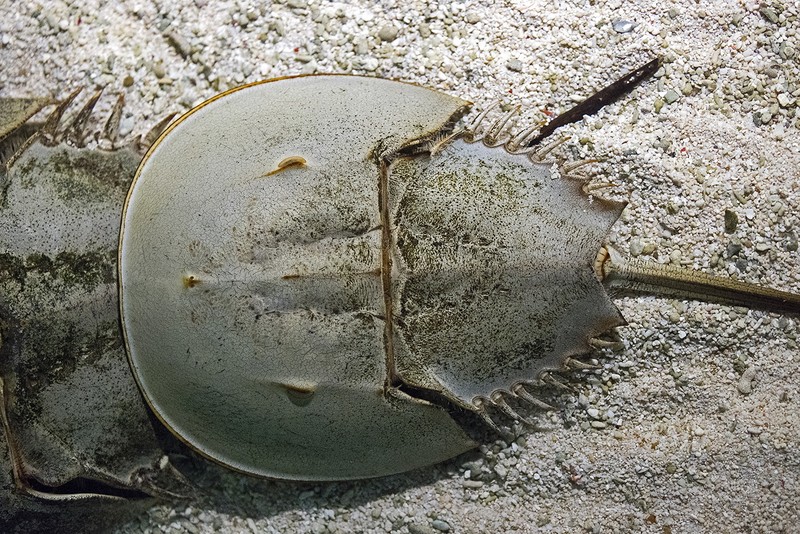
x,y
667,435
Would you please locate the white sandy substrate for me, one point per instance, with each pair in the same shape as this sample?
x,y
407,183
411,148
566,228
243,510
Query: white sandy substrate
x,y
665,438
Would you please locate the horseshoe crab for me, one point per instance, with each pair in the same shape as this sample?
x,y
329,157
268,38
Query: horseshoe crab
x,y
320,278
78,451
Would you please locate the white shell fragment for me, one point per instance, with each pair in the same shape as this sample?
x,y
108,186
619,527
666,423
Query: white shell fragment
x,y
314,276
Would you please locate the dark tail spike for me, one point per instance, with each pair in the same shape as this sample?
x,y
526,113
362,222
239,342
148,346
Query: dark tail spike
x,y
50,128
150,137
77,130
111,130
602,98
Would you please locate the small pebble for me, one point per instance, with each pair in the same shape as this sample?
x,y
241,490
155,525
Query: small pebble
x,y
388,33
671,96
417,528
126,126
159,71
785,100
179,43
636,247
441,526
745,385
514,65
769,14
731,221
501,471
623,26
649,248
371,64
733,249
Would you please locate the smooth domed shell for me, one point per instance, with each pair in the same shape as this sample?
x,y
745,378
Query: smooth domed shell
x,y
251,290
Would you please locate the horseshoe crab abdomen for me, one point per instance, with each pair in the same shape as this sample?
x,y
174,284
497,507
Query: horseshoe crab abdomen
x,y
494,282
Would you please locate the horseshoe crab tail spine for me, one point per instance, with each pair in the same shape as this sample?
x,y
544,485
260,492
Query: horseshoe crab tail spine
x,y
668,281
